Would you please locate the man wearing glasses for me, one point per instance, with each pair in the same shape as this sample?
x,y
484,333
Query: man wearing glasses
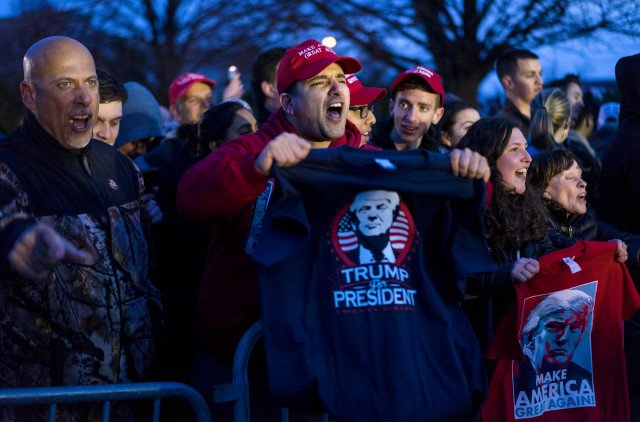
x,y
416,103
361,109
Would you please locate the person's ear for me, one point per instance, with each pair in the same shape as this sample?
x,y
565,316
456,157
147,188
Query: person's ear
x,y
286,101
446,138
269,89
390,106
175,110
28,93
546,195
437,115
506,81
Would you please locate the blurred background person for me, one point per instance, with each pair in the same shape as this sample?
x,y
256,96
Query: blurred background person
x,y
112,95
608,118
457,119
223,122
191,94
572,87
550,130
263,82
520,73
551,119
141,124
361,107
585,124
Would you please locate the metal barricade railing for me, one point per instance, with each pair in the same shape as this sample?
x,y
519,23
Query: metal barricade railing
x,y
237,390
106,393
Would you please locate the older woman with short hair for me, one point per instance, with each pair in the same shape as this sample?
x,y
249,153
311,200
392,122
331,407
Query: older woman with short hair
x,y
556,176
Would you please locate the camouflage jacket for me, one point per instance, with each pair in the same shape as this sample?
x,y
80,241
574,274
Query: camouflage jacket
x,y
84,324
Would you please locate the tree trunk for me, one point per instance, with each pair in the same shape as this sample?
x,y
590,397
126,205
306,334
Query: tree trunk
x,y
462,74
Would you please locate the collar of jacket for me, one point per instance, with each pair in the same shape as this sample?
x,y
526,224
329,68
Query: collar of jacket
x,y
559,214
382,137
511,107
34,131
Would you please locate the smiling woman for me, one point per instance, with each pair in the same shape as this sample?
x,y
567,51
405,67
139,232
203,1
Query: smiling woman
x,y
514,220
514,217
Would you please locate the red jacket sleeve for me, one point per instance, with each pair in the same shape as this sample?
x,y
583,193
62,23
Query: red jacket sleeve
x,y
214,191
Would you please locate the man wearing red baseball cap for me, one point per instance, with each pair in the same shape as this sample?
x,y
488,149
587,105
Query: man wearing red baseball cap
x,y
225,190
190,95
416,103
361,109
228,191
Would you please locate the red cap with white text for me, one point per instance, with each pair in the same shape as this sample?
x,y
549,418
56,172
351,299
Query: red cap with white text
x,y
361,95
182,83
308,59
431,77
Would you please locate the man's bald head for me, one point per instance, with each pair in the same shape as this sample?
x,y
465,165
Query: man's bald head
x,y
43,52
60,87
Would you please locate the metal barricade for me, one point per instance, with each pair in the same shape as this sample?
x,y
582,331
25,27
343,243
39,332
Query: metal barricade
x,y
106,393
237,390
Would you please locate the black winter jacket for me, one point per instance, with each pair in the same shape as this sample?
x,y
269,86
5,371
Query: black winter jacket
x,y
564,231
84,324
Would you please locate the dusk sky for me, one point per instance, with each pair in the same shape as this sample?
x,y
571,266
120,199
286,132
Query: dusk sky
x,y
592,59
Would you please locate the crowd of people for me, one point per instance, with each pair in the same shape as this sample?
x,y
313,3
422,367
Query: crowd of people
x,y
133,235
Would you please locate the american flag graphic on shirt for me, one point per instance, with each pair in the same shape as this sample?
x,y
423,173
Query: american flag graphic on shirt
x,y
398,234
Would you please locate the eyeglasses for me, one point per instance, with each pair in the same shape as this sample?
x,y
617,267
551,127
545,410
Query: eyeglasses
x,y
364,110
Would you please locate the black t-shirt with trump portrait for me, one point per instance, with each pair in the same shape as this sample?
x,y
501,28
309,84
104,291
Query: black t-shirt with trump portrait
x,y
362,261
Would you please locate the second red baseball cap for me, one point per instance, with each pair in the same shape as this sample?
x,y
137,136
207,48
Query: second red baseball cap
x,y
361,95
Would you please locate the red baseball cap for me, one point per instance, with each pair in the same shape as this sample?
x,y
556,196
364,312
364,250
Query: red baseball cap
x,y
431,77
306,60
361,95
182,83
